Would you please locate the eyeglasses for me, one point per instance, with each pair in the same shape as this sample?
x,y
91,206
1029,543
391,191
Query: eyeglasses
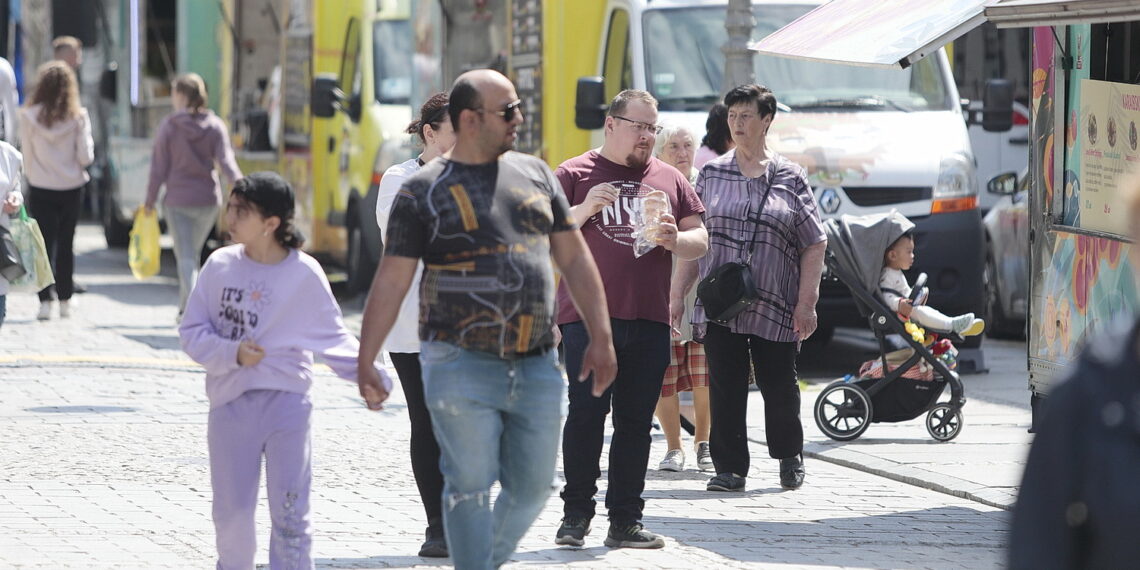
x,y
508,112
648,127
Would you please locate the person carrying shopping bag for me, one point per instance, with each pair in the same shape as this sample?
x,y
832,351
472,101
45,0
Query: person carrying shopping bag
x,y
188,143
10,201
55,132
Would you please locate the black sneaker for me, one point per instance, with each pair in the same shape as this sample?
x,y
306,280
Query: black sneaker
x,y
792,472
435,545
632,535
726,482
572,532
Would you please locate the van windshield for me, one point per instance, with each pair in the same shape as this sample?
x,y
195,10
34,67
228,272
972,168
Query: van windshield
x,y
391,44
685,67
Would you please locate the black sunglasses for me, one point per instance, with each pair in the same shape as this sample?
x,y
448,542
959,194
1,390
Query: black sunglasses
x,y
508,112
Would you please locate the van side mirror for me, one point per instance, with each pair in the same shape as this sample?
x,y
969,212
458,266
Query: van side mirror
x,y
108,88
590,104
997,106
326,97
1004,184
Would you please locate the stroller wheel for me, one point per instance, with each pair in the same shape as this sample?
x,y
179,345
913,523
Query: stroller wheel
x,y
843,411
943,422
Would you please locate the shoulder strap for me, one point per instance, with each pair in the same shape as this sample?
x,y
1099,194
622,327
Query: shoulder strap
x,y
769,174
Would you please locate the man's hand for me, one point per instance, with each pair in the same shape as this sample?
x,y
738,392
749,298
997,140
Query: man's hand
x,y
11,204
600,360
676,315
599,197
804,320
249,353
667,232
905,307
371,381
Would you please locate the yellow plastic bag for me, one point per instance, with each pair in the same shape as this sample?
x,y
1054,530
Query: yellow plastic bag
x,y
144,253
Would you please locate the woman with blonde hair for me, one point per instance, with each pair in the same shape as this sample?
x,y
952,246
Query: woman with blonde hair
x,y
55,134
188,144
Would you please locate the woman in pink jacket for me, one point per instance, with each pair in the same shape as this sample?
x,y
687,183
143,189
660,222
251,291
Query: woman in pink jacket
x,y
187,145
56,137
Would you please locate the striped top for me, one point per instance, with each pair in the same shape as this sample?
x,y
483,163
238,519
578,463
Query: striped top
x,y
787,223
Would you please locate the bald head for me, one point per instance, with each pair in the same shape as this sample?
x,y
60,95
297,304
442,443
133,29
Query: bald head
x,y
472,88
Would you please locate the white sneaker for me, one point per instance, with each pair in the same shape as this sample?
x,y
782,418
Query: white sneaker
x,y
45,311
64,309
674,461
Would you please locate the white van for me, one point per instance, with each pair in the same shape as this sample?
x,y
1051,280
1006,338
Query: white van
x,y
870,138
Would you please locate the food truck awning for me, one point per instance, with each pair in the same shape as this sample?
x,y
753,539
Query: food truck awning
x,y
1028,13
886,33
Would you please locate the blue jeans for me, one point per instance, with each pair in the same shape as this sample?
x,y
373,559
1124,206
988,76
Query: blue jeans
x,y
643,349
494,419
190,227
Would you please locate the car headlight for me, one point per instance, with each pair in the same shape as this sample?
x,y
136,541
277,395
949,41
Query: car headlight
x,y
955,177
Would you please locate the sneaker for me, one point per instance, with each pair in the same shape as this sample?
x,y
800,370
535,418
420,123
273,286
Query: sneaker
x,y
726,482
632,535
674,461
967,325
975,327
572,532
45,311
435,545
792,472
704,457
64,309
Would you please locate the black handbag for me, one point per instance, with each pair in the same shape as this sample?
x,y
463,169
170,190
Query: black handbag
x,y
11,265
729,289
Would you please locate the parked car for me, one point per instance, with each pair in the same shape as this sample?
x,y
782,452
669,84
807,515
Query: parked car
x,y
998,152
1006,274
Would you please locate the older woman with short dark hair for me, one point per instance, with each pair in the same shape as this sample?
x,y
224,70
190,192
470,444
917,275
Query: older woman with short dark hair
x,y
760,211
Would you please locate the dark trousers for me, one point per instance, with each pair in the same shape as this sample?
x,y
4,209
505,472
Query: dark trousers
x,y
57,212
642,349
775,365
425,450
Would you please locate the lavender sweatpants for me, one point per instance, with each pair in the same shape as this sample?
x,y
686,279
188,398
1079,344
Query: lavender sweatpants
x,y
276,424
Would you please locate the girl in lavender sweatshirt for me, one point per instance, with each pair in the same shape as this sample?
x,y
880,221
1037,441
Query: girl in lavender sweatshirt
x,y
258,312
187,145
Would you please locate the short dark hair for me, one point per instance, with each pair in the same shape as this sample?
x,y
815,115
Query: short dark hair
x,y
752,93
621,101
431,113
717,135
463,95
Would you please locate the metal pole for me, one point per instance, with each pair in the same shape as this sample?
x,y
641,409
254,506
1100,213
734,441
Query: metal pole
x,y
738,69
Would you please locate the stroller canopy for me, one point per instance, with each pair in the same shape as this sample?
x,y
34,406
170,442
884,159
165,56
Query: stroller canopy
x,y
859,243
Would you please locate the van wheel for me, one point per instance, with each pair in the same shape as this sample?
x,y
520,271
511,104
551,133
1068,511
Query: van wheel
x,y
360,267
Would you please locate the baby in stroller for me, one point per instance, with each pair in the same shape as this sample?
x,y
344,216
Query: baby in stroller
x,y
896,292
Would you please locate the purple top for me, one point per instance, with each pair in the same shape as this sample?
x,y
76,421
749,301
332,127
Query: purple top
x,y
788,223
185,149
287,308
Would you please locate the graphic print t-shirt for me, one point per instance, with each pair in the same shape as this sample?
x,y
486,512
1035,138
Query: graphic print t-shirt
x,y
636,287
483,232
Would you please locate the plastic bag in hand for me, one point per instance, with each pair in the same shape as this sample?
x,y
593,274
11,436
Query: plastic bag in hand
x,y
647,221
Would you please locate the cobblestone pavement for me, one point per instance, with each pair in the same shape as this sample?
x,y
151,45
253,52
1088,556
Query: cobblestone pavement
x,y
105,466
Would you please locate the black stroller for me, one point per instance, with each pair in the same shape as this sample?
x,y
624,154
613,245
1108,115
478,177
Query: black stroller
x,y
846,408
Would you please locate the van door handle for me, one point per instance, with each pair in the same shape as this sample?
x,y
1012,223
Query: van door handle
x,y
332,144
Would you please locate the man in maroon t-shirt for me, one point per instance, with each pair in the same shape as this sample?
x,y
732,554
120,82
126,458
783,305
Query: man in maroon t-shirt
x,y
605,189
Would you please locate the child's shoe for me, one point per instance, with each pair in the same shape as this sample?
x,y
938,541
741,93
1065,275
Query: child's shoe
x,y
45,311
967,325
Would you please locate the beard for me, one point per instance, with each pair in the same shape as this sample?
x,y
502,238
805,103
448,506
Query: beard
x,y
638,158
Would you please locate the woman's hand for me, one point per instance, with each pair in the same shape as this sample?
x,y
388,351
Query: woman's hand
x,y
371,381
12,204
804,320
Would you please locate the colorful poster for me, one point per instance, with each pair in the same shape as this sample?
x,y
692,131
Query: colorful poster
x,y
1109,114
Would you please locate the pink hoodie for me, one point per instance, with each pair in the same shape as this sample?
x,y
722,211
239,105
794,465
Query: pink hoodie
x,y
185,149
56,157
